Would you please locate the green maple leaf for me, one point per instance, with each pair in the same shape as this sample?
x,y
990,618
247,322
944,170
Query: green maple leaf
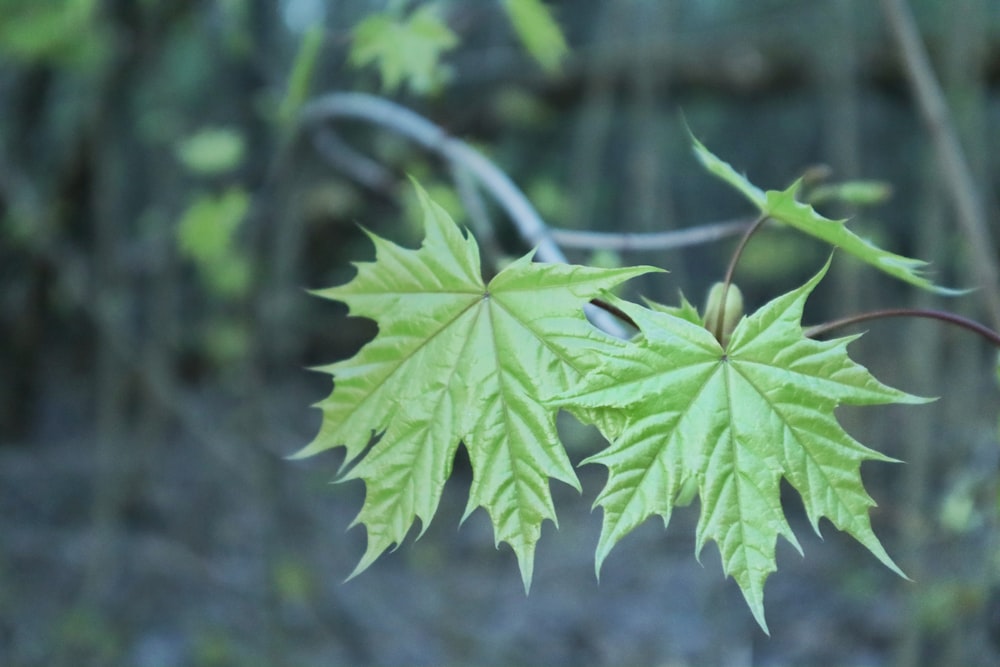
x,y
405,50
733,422
458,359
782,205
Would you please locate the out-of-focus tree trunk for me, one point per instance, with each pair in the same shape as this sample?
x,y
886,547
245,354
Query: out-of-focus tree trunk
x,y
941,441
647,200
837,85
973,391
593,129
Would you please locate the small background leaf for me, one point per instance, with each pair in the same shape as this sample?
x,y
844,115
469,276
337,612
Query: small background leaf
x,y
206,234
212,151
853,193
405,51
62,32
538,31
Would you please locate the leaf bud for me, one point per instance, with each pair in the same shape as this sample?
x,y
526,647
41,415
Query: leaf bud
x,y
721,319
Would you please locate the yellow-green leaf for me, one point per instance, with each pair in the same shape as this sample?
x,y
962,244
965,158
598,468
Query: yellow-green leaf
x,y
733,420
458,359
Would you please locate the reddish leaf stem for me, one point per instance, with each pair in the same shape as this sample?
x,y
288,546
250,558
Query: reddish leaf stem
x,y
982,330
614,310
716,327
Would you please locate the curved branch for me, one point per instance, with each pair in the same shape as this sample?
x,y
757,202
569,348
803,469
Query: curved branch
x,y
459,156
679,238
358,166
399,119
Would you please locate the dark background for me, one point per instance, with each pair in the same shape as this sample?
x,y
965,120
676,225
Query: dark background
x,y
148,394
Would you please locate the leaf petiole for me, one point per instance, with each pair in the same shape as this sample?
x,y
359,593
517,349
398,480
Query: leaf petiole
x,y
991,336
615,311
717,326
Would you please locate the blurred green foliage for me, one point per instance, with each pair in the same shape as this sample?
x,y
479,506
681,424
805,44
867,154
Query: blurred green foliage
x,y
852,193
206,234
212,151
778,254
214,648
67,33
538,31
406,50
293,581
86,636
550,199
411,222
301,75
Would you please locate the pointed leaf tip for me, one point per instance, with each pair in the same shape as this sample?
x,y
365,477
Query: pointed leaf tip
x,y
527,567
723,170
785,207
758,615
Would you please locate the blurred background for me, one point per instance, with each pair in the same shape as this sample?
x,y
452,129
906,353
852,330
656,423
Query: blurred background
x,y
163,212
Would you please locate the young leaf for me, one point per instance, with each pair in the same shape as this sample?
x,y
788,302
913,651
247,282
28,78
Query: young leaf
x,y
407,50
538,31
734,420
456,359
782,205
725,171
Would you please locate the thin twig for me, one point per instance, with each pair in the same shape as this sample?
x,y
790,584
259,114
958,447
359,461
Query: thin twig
x,y
361,168
614,310
991,336
956,171
376,110
571,238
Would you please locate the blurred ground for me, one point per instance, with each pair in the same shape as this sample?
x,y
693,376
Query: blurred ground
x,y
211,567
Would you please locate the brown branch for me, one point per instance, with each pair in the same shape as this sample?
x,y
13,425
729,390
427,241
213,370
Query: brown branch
x,y
991,336
716,327
615,311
